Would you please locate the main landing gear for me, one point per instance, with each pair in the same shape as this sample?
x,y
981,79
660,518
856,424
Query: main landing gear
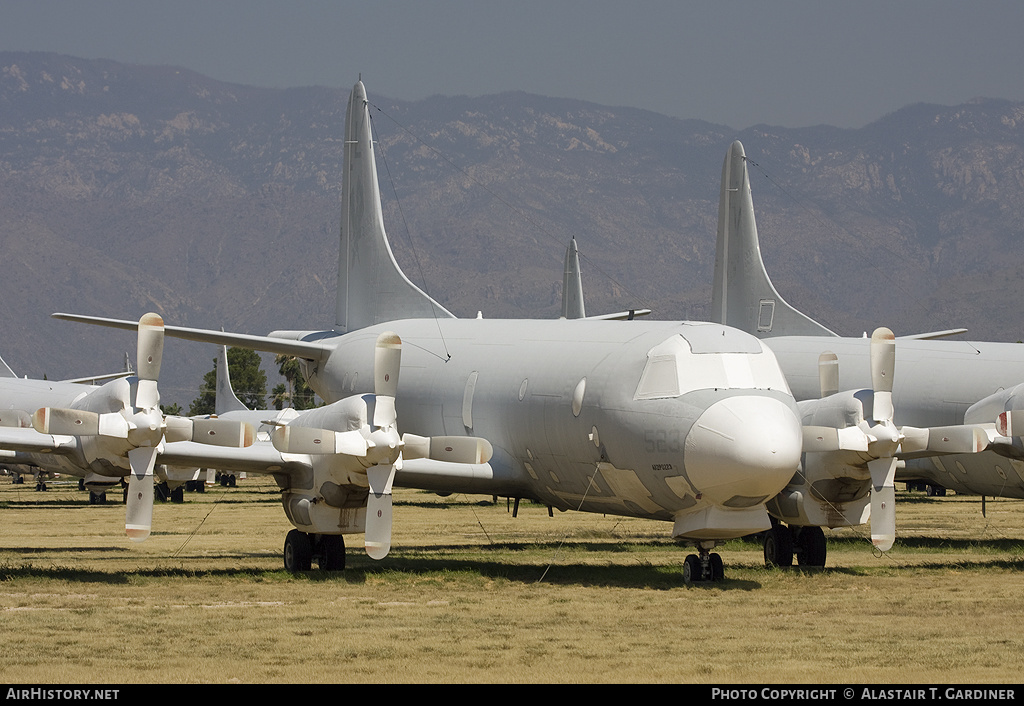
x,y
782,543
300,548
704,566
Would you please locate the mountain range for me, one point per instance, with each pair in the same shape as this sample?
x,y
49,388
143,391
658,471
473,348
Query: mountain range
x,y
126,189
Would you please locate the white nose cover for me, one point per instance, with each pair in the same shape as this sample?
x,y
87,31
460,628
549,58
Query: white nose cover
x,y
744,445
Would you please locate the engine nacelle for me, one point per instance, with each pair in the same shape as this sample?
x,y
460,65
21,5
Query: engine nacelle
x,y
833,488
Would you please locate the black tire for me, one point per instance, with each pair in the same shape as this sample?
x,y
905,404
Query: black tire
x,y
717,567
332,552
178,494
778,547
298,552
811,547
692,569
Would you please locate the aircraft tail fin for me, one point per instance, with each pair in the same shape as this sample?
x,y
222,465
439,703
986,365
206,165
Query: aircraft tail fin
x,y
743,295
372,288
5,370
224,399
572,285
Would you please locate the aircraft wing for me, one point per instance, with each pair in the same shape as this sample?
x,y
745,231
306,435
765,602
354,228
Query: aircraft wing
x,y
310,350
258,458
28,440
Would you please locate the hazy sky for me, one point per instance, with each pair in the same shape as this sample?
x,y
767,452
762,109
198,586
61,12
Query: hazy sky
x,y
737,63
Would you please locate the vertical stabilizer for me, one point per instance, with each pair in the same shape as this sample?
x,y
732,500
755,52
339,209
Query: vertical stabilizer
x,y
572,285
224,399
743,295
371,287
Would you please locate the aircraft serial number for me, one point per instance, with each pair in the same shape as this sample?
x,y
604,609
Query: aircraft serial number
x,y
662,441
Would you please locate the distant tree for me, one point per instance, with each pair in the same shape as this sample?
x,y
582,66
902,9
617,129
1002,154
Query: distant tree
x,y
294,392
247,379
174,409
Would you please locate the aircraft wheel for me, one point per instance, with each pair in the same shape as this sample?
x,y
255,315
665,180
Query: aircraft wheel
x,y
717,567
178,494
692,569
811,547
298,552
778,547
332,552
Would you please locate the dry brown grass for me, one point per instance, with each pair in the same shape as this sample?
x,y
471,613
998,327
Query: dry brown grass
x,y
470,594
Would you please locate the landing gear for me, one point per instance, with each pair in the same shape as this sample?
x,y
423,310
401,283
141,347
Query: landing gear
x,y
705,567
810,546
778,546
178,494
300,548
781,543
298,552
331,552
935,491
97,498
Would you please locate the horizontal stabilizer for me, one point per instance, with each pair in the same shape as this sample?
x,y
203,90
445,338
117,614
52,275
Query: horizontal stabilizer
x,y
931,335
621,315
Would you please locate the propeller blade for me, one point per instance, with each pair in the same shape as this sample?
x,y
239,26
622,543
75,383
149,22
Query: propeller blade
x,y
307,440
883,502
828,373
378,509
883,365
453,449
833,439
930,441
387,361
151,347
78,422
223,432
139,511
1010,423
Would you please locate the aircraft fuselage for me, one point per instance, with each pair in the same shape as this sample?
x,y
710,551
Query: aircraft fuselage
x,y
648,419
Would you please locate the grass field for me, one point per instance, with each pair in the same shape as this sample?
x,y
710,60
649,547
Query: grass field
x,y
471,594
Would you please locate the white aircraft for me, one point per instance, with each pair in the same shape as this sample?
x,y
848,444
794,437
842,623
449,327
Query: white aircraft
x,y
19,398
687,422
933,383
109,432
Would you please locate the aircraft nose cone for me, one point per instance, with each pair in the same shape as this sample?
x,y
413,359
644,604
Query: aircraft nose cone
x,y
746,446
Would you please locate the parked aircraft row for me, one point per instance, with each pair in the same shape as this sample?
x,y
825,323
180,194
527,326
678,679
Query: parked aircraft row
x,y
693,423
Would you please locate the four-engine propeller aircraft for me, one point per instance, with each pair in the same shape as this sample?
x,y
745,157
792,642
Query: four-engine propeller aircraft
x,y
690,423
927,382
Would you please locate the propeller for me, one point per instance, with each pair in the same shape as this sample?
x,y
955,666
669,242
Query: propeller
x,y
381,450
881,440
385,454
142,426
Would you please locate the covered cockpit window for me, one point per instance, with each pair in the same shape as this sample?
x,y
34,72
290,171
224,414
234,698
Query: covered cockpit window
x,y
708,356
